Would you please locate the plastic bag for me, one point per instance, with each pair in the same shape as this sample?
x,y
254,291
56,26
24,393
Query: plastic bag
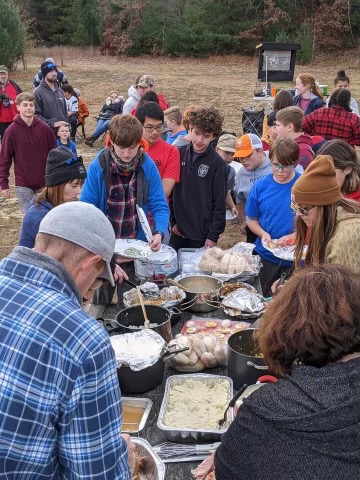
x,y
205,351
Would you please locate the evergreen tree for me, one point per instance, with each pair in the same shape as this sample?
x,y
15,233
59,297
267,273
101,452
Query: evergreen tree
x,y
12,34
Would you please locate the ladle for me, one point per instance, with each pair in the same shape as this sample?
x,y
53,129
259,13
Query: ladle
x,y
141,300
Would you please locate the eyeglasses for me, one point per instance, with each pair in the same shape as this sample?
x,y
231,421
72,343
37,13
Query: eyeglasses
x,y
301,210
278,167
159,128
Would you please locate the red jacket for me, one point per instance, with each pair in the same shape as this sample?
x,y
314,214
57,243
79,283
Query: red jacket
x,y
333,123
28,148
164,104
11,89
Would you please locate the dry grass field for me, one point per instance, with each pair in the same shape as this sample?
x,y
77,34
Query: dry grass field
x,y
226,82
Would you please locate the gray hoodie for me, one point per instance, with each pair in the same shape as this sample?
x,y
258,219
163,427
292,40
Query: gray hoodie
x,y
132,100
50,105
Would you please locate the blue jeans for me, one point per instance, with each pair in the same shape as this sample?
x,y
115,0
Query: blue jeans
x,y
101,127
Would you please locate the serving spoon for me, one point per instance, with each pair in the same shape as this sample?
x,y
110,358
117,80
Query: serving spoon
x,y
141,300
232,403
176,284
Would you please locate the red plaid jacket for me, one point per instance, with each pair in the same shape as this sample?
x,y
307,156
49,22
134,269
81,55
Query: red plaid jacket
x,y
333,123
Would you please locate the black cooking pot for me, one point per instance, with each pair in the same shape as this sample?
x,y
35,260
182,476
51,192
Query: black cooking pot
x,y
133,316
144,380
243,364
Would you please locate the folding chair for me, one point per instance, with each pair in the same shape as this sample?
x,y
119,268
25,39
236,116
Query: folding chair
x,y
252,121
82,116
81,135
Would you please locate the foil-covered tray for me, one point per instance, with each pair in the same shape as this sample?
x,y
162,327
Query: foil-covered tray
x,y
166,297
243,303
175,434
153,468
228,288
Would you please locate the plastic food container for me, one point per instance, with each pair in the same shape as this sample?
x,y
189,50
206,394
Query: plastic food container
x,y
161,263
175,434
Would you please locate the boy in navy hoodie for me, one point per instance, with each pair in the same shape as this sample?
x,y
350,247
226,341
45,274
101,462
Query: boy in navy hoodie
x,y
27,142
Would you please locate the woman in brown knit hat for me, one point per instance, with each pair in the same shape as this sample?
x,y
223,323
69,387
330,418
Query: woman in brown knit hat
x,y
330,222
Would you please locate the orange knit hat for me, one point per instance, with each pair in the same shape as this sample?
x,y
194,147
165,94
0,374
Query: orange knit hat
x,y
318,185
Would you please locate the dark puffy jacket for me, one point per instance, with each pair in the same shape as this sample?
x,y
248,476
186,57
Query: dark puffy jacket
x,y
109,111
315,103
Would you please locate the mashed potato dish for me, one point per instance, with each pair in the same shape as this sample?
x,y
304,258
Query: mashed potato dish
x,y
196,404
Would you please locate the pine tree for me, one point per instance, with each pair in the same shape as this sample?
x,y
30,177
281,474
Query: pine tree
x,y
12,34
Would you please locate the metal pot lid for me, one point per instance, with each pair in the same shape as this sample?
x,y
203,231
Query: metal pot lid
x,y
138,350
166,254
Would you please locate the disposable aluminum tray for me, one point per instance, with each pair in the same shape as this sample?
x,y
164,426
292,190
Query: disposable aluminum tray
x,y
175,434
144,403
154,468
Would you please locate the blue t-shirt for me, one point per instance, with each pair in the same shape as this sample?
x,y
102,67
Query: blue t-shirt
x,y
171,138
70,145
269,203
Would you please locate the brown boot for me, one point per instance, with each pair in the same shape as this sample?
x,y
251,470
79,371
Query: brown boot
x,y
89,143
89,138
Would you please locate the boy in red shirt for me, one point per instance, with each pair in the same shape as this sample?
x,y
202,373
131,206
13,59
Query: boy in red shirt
x,y
165,156
288,124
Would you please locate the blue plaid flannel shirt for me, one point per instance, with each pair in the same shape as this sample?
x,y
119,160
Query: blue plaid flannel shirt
x,y
60,409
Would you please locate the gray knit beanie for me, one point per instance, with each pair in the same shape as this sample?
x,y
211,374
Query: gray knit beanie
x,y
63,166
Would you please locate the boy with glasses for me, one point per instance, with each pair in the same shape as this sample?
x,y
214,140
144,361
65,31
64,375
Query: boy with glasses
x,y
268,211
165,156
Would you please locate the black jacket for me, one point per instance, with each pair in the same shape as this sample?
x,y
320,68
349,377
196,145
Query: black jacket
x,y
305,427
198,204
109,111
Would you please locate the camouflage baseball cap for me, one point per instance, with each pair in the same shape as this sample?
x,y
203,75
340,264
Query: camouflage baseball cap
x,y
145,81
3,69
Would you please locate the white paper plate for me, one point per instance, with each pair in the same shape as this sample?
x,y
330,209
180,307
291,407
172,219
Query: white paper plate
x,y
144,223
229,215
285,253
124,244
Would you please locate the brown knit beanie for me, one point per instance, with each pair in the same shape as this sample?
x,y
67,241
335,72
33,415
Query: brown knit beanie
x,y
318,184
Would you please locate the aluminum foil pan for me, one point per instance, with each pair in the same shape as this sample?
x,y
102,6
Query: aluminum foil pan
x,y
166,297
139,349
175,434
243,303
153,467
